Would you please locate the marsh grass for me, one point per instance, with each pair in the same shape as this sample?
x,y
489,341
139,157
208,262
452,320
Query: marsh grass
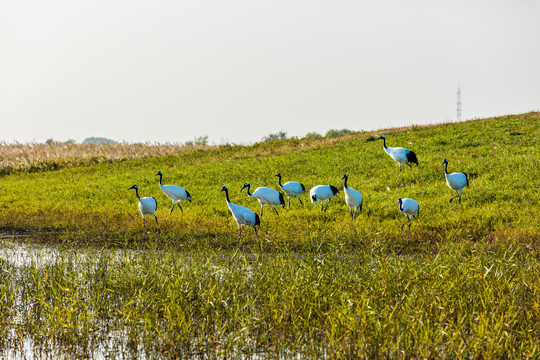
x,y
469,300
464,282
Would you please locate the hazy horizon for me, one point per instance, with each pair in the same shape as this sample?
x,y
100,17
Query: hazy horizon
x,y
261,139
236,71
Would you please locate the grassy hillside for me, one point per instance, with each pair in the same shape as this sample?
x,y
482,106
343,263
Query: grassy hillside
x,y
90,204
464,283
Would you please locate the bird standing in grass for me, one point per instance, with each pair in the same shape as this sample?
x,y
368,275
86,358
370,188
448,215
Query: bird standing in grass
x,y
242,215
292,189
455,181
266,196
399,154
173,192
353,198
322,193
147,205
408,207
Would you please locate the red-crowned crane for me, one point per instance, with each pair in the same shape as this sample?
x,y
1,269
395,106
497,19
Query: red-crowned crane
x,y
399,154
173,192
410,208
455,181
147,205
353,198
242,215
322,193
292,189
265,196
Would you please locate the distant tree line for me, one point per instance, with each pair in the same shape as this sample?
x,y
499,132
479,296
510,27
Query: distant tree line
x,y
90,140
203,140
281,135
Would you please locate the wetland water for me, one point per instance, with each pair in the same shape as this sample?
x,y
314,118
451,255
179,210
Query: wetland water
x,y
32,315
18,259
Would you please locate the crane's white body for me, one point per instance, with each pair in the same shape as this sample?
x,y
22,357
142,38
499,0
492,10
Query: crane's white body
x,y
174,192
265,196
322,193
353,198
292,189
242,215
410,208
455,181
147,205
399,154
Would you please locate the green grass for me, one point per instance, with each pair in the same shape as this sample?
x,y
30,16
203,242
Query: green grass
x,y
463,283
91,205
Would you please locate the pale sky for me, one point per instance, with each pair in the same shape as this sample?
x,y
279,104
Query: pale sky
x,y
237,70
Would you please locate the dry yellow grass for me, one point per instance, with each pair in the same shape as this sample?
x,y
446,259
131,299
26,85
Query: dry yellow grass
x,y
24,157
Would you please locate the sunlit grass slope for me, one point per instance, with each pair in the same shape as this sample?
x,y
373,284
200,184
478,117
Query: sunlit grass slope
x,y
90,204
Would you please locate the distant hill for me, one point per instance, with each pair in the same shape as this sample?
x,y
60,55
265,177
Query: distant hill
x,y
98,140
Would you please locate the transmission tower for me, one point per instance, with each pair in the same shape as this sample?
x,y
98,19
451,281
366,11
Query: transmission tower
x,y
458,104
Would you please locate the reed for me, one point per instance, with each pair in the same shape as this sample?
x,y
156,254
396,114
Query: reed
x,y
467,300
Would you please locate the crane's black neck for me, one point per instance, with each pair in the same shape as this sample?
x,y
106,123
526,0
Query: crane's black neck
x,y
249,189
384,143
160,178
400,205
137,193
345,183
446,167
279,177
227,195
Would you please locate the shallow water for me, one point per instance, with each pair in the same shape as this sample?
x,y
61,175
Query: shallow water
x,y
21,255
23,259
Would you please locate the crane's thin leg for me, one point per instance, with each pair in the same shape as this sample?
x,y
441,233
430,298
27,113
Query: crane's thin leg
x,y
322,206
300,201
327,204
239,231
454,197
408,221
144,224
172,208
289,201
399,166
409,165
156,219
275,210
182,210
